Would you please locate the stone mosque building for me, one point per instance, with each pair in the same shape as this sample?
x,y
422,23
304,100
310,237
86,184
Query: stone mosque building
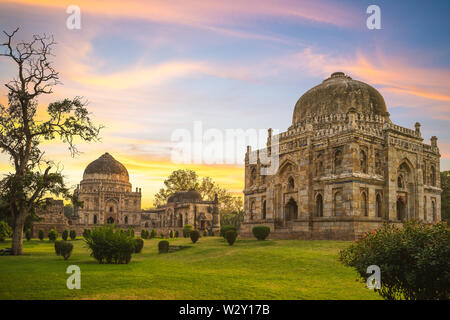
x,y
107,195
344,168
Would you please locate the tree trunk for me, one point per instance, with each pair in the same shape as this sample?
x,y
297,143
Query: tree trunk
x,y
17,238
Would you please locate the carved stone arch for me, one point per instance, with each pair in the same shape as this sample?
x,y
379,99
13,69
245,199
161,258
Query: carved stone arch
x,y
285,165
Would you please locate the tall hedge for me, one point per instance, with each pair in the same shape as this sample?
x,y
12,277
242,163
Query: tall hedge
x,y
230,236
73,234
224,229
414,260
187,229
63,248
65,235
41,234
194,235
110,246
163,246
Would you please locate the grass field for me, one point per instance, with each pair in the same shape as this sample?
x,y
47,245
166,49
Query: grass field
x,y
209,269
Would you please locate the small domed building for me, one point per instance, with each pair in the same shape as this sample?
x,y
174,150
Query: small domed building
x,y
342,168
107,195
182,208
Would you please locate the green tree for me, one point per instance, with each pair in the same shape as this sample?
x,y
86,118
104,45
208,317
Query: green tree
x,y
33,177
68,210
445,195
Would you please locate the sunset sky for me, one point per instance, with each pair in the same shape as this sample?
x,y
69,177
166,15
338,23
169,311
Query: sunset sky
x,y
149,68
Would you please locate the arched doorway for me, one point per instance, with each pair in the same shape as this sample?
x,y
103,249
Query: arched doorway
x,y
401,208
291,210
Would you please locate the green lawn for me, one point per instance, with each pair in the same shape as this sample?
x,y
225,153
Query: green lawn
x,y
209,269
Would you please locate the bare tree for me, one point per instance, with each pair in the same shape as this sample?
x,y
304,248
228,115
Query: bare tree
x,y
21,133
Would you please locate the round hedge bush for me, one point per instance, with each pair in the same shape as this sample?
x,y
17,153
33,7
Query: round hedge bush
x,y
230,236
41,234
65,235
73,234
52,235
139,245
163,246
261,232
28,235
63,248
194,235
226,228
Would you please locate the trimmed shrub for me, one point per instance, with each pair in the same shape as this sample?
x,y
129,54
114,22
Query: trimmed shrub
x,y
109,246
131,232
153,234
226,228
414,260
145,234
86,233
41,234
73,234
161,235
65,235
212,233
171,234
163,246
230,236
28,234
205,233
194,235
63,248
138,245
177,234
5,230
187,230
52,235
261,232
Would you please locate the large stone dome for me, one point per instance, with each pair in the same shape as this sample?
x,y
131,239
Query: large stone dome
x,y
106,167
185,196
338,94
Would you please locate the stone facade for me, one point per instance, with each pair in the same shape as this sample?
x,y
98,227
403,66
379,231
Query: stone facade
x,y
51,217
107,196
343,168
185,207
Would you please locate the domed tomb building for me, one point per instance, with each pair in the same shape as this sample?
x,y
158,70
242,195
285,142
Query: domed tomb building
x,y
342,168
107,195
182,208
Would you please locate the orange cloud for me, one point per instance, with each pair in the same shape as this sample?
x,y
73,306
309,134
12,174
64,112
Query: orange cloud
x,y
203,12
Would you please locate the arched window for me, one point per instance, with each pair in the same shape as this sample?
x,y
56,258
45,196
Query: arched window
x,y
319,163
363,204
425,208
264,210
291,183
253,176
433,210
95,219
252,210
400,182
337,161
424,172
433,176
378,206
125,220
337,204
111,209
319,206
363,161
